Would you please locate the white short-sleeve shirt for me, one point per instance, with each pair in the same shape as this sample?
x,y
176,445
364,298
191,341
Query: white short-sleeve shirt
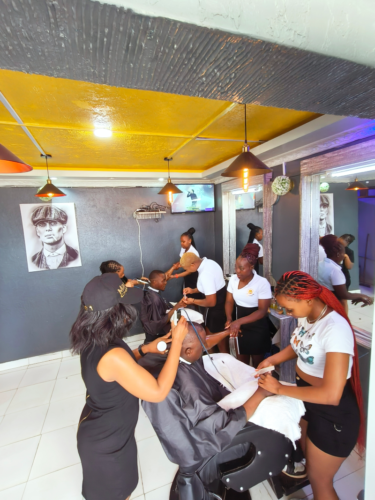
x,y
191,250
311,343
249,295
210,277
260,254
330,274
322,253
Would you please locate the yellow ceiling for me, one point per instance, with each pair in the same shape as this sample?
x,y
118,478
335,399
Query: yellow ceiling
x,y
147,126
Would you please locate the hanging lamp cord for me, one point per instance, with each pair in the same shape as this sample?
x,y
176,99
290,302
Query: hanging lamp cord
x,y
245,127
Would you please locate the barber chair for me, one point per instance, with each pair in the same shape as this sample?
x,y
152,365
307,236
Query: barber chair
x,y
268,453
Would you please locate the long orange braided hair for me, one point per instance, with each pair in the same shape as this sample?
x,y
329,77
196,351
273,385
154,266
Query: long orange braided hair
x,y
301,286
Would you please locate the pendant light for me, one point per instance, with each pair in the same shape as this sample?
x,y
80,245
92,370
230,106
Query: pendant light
x,y
10,164
246,164
169,189
356,186
49,190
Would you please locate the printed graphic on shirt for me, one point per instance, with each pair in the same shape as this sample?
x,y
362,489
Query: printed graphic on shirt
x,y
250,291
301,348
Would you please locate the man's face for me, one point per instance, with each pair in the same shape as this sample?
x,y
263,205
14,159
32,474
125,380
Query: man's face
x,y
160,282
50,232
323,211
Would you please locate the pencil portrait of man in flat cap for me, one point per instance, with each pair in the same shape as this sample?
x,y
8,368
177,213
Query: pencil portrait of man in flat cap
x,y
51,236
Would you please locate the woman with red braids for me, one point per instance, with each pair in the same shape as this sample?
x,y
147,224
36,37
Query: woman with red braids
x,y
252,295
327,378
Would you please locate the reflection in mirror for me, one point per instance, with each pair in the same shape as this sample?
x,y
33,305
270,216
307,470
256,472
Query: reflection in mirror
x,y
350,215
249,217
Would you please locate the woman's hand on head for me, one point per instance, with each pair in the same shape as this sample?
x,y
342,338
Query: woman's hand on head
x,y
269,383
152,347
179,331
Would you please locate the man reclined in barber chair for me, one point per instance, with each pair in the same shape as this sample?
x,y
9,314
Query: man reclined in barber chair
x,y
200,436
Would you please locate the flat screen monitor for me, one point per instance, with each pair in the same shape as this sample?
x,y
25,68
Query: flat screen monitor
x,y
194,198
245,201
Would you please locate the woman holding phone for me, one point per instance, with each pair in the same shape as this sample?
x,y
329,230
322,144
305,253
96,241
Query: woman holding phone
x,y
115,383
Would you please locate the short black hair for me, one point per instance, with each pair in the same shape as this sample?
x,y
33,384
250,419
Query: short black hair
x,y
349,238
154,274
109,266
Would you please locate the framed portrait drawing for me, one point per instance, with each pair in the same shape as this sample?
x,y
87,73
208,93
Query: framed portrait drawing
x,y
326,215
51,237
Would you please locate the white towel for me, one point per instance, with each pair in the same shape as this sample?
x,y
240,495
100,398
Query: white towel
x,y
278,413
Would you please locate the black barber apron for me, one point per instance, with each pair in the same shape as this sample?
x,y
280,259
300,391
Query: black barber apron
x,y
216,317
256,337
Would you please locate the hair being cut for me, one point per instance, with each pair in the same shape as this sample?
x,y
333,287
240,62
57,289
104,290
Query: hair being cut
x,y
250,253
301,286
189,234
253,231
100,328
109,266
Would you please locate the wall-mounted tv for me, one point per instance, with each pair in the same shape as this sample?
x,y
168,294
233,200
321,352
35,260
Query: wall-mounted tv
x,y
194,198
245,201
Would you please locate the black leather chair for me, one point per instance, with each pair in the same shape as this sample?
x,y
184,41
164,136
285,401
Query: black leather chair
x,y
267,455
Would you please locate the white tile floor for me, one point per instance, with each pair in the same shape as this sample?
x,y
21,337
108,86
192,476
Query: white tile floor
x,y
40,405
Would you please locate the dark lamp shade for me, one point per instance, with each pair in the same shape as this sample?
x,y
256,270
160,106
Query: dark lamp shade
x,y
49,191
170,188
356,186
246,160
10,164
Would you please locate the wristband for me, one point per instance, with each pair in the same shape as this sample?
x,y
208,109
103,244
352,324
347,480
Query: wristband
x,y
141,352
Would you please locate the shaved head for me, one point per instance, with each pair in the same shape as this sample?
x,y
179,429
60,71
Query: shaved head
x,y
188,259
191,349
155,274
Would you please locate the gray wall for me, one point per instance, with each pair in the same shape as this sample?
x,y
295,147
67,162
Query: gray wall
x,y
243,217
366,224
285,231
37,309
345,204
218,225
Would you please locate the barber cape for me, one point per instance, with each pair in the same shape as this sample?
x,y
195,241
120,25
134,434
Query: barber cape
x,y
278,413
154,316
189,423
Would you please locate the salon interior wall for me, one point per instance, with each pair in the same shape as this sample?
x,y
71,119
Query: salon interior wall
x,y
366,225
37,309
218,225
285,224
345,205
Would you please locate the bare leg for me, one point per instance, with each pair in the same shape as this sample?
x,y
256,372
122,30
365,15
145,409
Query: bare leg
x,y
245,358
303,423
257,358
321,469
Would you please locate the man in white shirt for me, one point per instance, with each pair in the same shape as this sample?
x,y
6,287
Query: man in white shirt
x,y
50,226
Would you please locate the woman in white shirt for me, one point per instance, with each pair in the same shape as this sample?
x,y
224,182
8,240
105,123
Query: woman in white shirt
x,y
252,296
190,279
327,378
330,273
256,236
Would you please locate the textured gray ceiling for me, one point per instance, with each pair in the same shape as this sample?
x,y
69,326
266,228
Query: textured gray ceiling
x,y
89,41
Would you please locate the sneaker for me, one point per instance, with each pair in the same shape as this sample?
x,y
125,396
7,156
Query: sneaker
x,y
297,470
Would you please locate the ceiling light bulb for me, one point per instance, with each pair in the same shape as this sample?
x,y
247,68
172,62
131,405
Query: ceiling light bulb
x,y
160,179
102,132
53,178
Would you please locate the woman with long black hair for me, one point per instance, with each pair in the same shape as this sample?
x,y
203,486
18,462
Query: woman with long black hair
x,y
327,378
256,236
114,383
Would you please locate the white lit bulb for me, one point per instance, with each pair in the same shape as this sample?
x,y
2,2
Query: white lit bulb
x,y
102,132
